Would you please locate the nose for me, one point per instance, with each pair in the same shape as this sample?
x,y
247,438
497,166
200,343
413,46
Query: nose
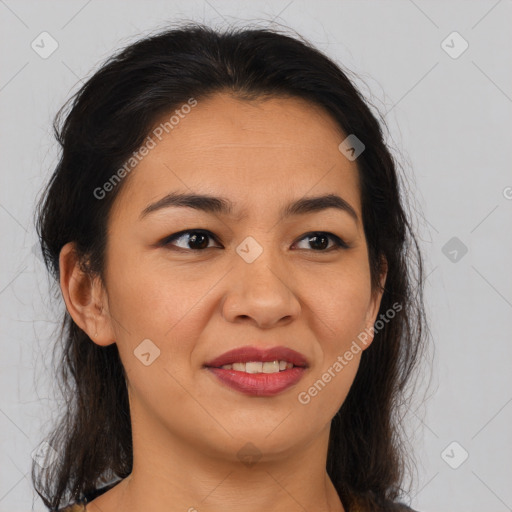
x,y
260,293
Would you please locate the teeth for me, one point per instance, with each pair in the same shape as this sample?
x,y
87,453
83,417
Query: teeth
x,y
254,367
259,367
271,367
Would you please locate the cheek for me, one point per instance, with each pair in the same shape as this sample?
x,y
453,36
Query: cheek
x,y
148,293
322,395
339,299
158,319
338,309
149,302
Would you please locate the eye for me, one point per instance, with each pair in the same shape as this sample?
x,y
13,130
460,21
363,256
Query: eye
x,y
195,240
320,240
198,240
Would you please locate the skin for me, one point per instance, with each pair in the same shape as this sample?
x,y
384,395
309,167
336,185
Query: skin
x,y
187,426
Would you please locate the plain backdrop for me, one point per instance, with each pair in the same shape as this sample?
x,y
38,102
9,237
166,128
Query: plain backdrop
x,y
447,100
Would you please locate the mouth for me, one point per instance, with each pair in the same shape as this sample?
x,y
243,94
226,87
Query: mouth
x,y
258,372
275,359
259,366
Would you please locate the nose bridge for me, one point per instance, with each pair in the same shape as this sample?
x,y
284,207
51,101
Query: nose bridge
x,y
260,289
259,266
260,258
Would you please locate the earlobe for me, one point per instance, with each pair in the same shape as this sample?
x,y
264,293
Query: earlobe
x,y
84,297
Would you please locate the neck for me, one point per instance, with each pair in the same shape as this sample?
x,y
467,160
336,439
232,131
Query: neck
x,y
177,476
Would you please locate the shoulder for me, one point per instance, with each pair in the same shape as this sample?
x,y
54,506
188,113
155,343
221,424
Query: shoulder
x,y
79,506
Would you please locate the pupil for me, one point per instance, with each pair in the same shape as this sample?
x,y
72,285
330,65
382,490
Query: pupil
x,y
194,238
321,237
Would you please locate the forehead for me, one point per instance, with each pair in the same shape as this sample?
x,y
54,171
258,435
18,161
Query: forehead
x,y
255,152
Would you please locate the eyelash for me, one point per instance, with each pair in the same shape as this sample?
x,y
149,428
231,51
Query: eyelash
x,y
339,243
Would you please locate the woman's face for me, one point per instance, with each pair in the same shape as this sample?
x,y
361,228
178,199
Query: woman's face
x,y
251,277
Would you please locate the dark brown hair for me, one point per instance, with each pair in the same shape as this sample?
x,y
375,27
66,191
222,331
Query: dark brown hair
x,y
100,128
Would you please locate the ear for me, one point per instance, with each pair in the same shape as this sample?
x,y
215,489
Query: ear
x,y
85,297
374,305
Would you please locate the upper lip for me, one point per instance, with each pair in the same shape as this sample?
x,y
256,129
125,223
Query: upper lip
x,y
249,353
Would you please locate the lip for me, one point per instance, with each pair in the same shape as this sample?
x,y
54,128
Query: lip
x,y
250,353
259,384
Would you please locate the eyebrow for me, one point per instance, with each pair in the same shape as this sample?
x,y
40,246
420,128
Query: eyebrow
x,y
221,205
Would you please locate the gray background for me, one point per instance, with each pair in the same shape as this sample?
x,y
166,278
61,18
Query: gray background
x,y
449,121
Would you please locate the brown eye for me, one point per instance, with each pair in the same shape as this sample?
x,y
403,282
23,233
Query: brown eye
x,y
198,240
319,241
193,240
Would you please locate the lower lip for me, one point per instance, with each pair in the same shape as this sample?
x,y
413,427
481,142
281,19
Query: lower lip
x,y
259,384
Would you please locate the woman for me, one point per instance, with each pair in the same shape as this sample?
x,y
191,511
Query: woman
x,y
262,368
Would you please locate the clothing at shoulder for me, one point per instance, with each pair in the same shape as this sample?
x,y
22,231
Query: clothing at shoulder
x,y
79,506
73,508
